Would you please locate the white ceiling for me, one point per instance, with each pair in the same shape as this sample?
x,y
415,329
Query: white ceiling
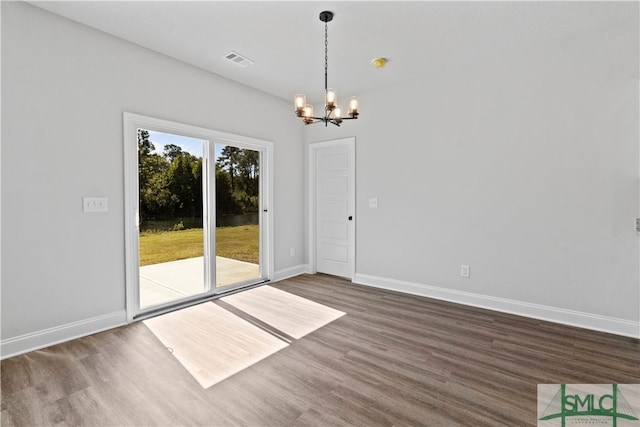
x,y
286,39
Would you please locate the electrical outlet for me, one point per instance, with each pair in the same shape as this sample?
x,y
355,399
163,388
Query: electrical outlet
x,y
292,252
465,271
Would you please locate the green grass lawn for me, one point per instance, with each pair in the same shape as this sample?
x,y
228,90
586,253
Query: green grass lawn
x,y
241,243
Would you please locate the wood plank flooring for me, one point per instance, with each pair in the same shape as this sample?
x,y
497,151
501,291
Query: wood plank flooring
x,y
392,360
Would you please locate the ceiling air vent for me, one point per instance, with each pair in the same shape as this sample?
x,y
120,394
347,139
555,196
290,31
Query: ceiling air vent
x,y
238,59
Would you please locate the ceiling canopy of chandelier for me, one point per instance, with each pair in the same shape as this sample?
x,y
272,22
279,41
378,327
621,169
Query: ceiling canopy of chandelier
x,y
332,111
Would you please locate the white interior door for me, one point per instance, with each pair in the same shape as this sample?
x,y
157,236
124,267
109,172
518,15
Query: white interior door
x,y
334,165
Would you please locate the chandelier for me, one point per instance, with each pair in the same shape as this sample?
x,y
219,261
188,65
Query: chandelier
x,y
332,111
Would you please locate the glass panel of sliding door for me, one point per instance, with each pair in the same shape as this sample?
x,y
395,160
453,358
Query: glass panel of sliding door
x,y
238,215
172,209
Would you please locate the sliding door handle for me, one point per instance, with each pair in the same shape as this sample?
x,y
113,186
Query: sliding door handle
x,y
350,218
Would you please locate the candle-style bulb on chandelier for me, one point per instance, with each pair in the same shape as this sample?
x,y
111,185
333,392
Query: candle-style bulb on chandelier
x,y
333,113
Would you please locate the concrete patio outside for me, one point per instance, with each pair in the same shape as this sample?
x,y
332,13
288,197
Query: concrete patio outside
x,y
167,281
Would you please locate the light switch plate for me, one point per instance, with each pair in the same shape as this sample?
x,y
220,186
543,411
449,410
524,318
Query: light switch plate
x,y
94,204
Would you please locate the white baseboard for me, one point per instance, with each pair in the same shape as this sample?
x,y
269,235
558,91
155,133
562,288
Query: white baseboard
x,y
48,337
29,342
290,272
595,322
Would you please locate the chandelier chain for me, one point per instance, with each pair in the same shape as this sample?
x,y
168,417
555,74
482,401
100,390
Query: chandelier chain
x,y
326,55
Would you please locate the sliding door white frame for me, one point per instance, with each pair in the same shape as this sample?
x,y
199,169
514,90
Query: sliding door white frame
x,y
133,122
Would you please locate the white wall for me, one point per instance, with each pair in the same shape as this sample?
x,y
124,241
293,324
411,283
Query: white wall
x,y
523,166
64,89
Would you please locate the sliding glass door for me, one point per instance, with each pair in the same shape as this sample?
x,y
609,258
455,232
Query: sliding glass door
x,y
197,218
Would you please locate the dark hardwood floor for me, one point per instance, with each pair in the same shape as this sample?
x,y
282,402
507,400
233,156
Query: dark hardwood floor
x,y
393,360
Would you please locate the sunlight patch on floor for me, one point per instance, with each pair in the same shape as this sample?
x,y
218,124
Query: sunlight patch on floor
x,y
213,344
289,313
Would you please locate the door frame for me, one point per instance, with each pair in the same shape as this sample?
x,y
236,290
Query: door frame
x,y
132,122
349,142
